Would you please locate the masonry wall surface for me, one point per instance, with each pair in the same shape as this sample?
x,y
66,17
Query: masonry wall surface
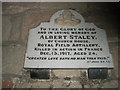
x,y
18,18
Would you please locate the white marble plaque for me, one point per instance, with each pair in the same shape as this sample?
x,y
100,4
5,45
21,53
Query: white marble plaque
x,y
67,41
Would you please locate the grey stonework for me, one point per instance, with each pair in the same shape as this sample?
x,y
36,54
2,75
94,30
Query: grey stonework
x,y
14,46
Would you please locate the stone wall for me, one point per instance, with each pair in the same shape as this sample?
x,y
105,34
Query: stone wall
x,y
18,18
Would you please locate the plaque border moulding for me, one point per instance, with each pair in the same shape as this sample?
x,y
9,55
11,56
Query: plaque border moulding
x,y
47,64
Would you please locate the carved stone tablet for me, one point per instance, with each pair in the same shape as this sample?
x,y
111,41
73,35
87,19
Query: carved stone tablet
x,y
67,41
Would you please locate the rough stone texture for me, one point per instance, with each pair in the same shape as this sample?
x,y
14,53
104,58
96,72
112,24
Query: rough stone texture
x,y
114,52
13,60
15,81
6,27
35,13
68,78
24,85
11,27
62,73
119,62
86,86
81,6
7,83
75,84
34,18
32,84
16,29
111,84
60,84
96,6
41,84
0,83
66,84
26,82
100,20
18,7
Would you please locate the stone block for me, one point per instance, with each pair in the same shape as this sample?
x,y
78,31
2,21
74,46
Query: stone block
x,y
24,85
7,83
96,6
34,18
111,84
62,73
114,52
59,83
18,7
6,27
81,6
66,84
103,22
86,86
75,84
16,28
41,84
13,60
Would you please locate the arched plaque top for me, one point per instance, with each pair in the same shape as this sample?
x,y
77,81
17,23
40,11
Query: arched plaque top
x,y
67,17
81,45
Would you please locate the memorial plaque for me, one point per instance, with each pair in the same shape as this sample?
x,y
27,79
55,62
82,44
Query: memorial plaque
x,y
67,41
